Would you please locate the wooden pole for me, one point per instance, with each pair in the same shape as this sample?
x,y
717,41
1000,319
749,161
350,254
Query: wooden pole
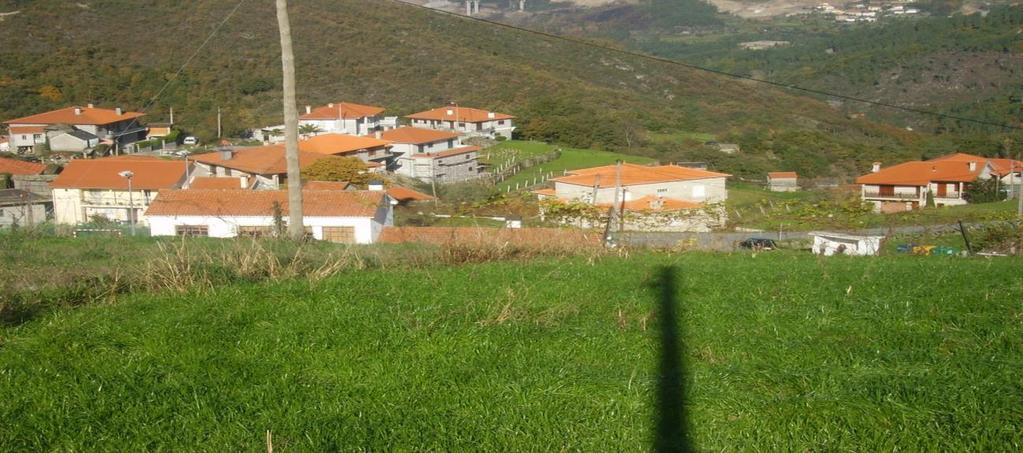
x,y
295,227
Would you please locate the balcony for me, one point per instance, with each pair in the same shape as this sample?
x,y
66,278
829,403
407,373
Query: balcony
x,y
891,196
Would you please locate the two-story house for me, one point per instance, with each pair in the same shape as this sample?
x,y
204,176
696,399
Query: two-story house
x,y
466,121
344,118
905,186
657,186
115,188
376,153
429,154
77,129
260,167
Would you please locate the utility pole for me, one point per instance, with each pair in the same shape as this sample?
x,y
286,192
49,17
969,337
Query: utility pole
x,y
1019,191
295,227
172,116
219,128
618,190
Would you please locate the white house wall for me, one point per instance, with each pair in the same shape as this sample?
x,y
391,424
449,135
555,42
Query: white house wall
x,y
367,230
713,191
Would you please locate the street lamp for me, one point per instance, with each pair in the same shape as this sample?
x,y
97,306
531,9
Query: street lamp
x,y
128,174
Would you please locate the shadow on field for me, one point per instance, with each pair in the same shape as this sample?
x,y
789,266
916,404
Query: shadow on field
x,y
670,421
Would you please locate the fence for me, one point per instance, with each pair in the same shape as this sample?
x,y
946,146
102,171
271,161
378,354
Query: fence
x,y
512,168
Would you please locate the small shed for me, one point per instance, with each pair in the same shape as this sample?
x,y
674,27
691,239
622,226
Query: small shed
x,y
828,243
782,181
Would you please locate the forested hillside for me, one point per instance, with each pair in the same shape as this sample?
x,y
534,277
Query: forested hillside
x,y
119,52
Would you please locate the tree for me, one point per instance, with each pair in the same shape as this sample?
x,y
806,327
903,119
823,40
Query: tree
x,y
51,93
983,191
349,169
309,129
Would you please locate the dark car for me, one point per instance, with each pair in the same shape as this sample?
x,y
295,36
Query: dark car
x,y
758,244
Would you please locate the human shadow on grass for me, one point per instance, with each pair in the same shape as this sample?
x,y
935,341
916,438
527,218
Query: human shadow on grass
x,y
671,426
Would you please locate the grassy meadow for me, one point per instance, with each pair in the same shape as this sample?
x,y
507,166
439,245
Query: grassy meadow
x,y
774,351
513,151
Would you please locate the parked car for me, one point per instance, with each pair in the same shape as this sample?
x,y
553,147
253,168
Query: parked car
x,y
758,244
190,141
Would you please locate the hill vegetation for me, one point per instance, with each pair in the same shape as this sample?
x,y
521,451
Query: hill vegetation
x,y
776,351
117,53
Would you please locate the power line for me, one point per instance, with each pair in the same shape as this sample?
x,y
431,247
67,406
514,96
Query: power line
x,y
596,45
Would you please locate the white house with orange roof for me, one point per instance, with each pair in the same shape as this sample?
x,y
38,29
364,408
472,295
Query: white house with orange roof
x,y
466,121
330,213
345,118
372,150
905,186
428,154
259,167
74,126
89,188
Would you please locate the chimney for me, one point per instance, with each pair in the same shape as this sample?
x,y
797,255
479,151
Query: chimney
x,y
90,106
331,105
451,112
876,168
491,115
308,109
226,154
973,166
378,135
118,111
245,182
78,110
375,185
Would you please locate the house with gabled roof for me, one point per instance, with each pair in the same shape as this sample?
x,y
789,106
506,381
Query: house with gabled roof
x,y
329,214
345,118
782,181
260,167
905,186
375,152
467,121
90,188
433,155
667,183
116,127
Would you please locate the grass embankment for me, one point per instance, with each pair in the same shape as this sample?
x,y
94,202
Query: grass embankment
x,y
777,352
752,206
510,152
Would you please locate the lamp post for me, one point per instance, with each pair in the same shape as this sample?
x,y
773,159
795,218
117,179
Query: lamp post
x,y
128,174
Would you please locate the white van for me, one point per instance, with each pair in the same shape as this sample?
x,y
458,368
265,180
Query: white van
x,y
190,141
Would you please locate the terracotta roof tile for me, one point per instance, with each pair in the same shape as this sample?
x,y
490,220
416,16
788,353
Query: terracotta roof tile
x,y
260,160
417,136
315,203
20,167
28,129
920,173
342,110
464,114
150,173
633,174
325,185
404,194
87,115
782,175
337,144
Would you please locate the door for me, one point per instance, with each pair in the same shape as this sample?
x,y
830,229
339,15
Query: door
x,y
942,190
343,235
886,191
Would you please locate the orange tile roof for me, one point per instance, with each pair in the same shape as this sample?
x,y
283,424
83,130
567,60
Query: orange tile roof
x,y
448,152
337,144
633,174
88,115
782,175
334,111
404,194
463,114
416,136
540,237
315,203
325,185
28,129
546,192
1005,166
151,173
259,160
20,167
921,173
211,182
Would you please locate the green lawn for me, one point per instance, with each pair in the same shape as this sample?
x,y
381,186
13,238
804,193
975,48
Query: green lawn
x,y
571,159
777,351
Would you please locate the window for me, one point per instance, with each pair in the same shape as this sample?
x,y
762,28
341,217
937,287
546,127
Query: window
x,y
255,231
192,230
500,123
699,191
468,156
342,235
24,137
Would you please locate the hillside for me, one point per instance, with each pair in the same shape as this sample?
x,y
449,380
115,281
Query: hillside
x,y
406,58
773,352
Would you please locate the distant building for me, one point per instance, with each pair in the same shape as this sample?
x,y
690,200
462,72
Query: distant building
x,y
21,208
782,181
372,150
345,118
466,121
89,188
350,217
261,167
94,125
428,154
20,167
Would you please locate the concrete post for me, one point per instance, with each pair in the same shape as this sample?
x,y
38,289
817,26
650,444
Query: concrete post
x,y
468,7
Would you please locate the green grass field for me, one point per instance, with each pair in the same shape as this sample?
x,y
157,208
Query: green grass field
x,y
571,159
777,351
